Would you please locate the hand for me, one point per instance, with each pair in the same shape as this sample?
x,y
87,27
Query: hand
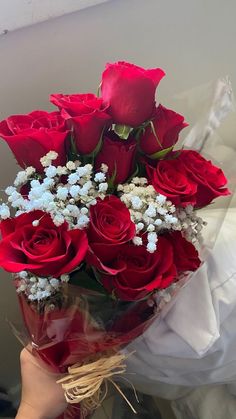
x,y
42,397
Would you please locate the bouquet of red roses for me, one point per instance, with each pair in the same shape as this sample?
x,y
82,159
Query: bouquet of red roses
x,y
100,221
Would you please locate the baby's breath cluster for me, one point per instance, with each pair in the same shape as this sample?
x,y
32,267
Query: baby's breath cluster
x,y
4,211
190,223
65,192
153,213
38,288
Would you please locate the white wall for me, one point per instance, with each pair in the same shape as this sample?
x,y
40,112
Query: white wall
x,y
16,14
192,40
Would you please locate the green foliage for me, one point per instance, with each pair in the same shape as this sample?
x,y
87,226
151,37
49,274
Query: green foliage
x,y
86,280
123,131
160,154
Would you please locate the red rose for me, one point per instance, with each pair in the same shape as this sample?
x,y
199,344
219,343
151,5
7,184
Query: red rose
x,y
186,256
32,136
170,178
110,227
140,272
87,116
43,250
119,156
167,126
210,179
130,92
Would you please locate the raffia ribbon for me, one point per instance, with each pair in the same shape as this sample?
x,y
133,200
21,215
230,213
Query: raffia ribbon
x,y
87,384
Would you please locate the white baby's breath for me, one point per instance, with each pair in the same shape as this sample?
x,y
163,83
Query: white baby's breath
x,y
103,187
73,178
64,278
136,202
137,241
62,193
47,159
21,178
38,288
50,171
70,165
153,213
100,177
83,221
4,211
30,171
104,168
151,247
75,191
9,190
48,183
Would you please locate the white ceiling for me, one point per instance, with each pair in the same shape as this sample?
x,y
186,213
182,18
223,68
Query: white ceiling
x,y
16,14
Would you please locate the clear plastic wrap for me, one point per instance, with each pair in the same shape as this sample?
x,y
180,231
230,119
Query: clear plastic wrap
x,y
206,107
81,325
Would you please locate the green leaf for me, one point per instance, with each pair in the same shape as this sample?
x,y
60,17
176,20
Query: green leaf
x,y
73,153
111,180
89,158
99,89
123,131
160,154
84,280
138,132
176,154
98,146
155,134
134,174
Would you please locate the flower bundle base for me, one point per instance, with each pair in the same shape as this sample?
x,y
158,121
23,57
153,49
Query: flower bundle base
x,y
87,384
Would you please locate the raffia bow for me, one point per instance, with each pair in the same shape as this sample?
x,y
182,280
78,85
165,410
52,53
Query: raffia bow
x,y
87,384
